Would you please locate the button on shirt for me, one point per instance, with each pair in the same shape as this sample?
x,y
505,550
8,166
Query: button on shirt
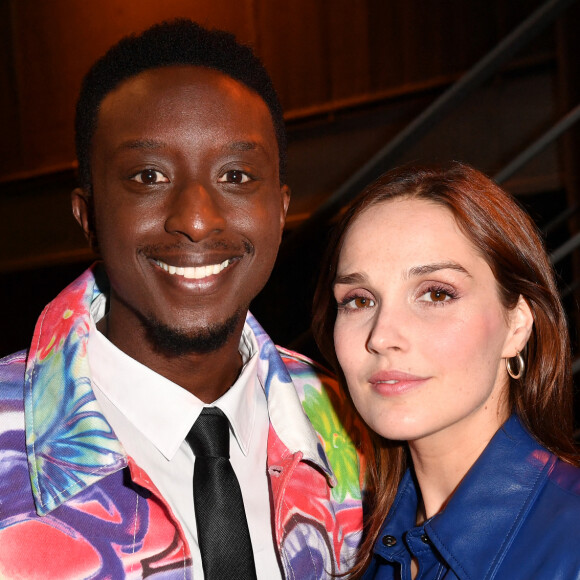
x,y
400,540
151,416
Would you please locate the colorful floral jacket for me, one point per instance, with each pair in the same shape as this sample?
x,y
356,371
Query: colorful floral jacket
x,y
74,505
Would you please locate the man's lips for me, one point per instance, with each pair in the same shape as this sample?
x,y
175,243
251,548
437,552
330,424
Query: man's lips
x,y
194,272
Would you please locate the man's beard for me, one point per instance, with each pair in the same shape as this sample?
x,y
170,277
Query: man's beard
x,y
174,342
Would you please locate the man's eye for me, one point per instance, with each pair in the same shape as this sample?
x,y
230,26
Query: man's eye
x,y
150,177
234,176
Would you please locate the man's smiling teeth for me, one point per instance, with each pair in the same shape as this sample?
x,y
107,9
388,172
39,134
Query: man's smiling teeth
x,y
196,272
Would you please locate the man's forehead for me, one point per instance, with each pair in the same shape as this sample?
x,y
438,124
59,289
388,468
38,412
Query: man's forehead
x,y
183,90
183,111
177,77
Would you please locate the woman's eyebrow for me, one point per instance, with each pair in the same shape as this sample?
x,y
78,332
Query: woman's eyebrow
x,y
355,278
422,270
436,266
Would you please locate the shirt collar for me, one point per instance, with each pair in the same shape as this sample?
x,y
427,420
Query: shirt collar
x,y
152,403
239,402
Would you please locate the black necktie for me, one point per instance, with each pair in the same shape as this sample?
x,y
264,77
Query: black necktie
x,y
222,529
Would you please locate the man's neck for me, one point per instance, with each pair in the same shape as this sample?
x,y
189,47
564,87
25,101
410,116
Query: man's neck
x,y
205,375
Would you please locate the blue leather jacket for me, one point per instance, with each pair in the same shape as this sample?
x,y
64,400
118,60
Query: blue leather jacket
x,y
515,516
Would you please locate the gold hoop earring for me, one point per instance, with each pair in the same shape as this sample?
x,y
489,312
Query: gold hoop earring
x,y
521,366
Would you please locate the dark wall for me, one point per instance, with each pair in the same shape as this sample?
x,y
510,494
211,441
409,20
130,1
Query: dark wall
x,y
320,54
350,73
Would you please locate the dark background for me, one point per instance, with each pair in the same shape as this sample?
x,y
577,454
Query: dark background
x,y
351,74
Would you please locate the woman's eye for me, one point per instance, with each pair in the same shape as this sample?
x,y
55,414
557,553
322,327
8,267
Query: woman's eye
x,y
234,176
150,177
357,303
436,295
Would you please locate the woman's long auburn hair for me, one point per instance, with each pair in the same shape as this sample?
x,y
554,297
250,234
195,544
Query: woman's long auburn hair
x,y
508,240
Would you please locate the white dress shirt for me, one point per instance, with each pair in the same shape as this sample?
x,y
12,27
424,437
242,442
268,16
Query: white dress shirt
x,y
151,416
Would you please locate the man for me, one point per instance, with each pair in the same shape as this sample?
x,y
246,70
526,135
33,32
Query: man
x,y
181,151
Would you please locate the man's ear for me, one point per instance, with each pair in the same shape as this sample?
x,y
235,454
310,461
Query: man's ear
x,y
521,323
285,198
82,211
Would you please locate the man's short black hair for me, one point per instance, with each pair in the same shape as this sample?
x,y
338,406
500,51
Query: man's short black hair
x,y
177,42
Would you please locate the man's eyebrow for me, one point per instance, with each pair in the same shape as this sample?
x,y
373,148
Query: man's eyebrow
x,y
257,146
149,144
244,146
146,144
436,266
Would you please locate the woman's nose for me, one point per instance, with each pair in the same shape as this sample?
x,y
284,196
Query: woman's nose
x,y
389,331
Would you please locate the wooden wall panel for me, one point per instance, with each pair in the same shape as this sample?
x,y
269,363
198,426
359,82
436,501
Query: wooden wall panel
x,y
418,40
10,146
318,52
387,53
322,54
348,39
53,45
293,44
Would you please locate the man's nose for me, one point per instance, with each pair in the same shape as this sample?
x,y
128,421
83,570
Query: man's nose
x,y
195,212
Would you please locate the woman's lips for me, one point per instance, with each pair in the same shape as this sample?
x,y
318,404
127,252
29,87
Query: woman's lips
x,y
395,382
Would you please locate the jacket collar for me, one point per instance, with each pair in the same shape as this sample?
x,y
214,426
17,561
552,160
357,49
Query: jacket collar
x,y
70,444
504,481
287,417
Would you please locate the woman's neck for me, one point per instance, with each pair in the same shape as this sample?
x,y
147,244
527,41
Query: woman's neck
x,y
442,460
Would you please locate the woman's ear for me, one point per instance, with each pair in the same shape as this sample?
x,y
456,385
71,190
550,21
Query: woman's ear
x,y
521,323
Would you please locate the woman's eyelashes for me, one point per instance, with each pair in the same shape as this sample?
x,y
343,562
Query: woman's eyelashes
x,y
355,301
430,295
437,294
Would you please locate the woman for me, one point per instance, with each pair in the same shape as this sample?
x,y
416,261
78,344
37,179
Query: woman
x,y
449,333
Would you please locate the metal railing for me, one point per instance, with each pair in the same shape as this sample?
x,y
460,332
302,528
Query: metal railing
x,y
425,121
386,157
538,145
